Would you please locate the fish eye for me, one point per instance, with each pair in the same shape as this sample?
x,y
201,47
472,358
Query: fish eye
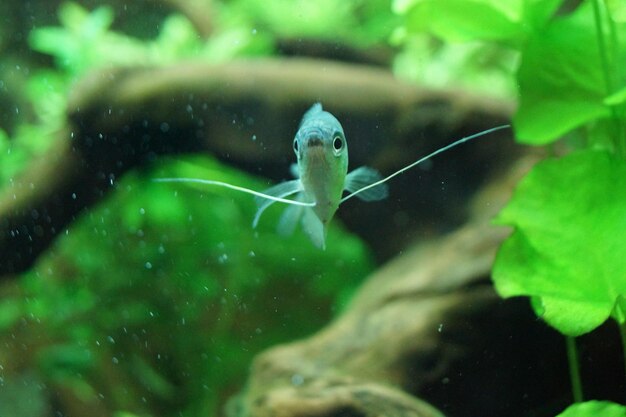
x,y
337,143
295,145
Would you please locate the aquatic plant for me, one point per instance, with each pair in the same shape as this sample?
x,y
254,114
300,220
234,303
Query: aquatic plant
x,y
84,41
566,250
172,292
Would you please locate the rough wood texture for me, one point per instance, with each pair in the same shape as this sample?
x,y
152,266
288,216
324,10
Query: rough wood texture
x,y
123,119
429,326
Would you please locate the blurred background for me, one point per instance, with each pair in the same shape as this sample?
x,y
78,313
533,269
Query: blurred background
x,y
124,297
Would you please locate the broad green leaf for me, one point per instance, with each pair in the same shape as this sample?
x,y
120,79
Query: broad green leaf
x,y
617,8
616,98
560,79
567,248
538,13
466,20
463,20
594,409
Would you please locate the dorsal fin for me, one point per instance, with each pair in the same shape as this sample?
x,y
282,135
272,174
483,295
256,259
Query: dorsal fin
x,y
313,111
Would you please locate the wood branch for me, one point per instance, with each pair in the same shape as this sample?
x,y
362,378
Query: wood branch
x,y
126,118
381,55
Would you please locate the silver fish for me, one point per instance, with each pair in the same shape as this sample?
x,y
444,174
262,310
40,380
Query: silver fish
x,y
321,177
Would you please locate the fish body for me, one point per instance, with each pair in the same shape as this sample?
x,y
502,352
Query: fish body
x,y
322,176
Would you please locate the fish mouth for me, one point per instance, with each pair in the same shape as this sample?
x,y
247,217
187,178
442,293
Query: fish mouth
x,y
314,141
313,137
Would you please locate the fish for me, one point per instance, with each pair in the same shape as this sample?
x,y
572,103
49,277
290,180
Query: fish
x,y
321,177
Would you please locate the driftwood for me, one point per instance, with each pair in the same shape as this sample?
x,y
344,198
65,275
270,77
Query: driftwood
x,y
428,326
246,114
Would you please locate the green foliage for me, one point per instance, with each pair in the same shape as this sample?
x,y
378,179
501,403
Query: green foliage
x,y
28,142
357,22
569,77
170,285
567,247
463,20
561,73
594,409
441,48
86,41
561,67
573,293
617,8
475,66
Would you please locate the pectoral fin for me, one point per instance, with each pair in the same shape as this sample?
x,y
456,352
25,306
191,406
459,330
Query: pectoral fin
x,y
314,228
362,177
289,219
282,190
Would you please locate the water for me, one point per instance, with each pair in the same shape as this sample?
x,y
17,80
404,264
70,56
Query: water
x,y
127,297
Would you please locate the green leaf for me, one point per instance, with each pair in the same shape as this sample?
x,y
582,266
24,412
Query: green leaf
x,y
617,98
568,245
464,20
617,8
78,19
75,45
560,74
594,409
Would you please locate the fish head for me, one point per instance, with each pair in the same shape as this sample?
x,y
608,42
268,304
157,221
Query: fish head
x,y
320,142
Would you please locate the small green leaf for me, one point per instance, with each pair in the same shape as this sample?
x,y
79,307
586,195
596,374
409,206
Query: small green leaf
x,y
568,244
79,20
560,79
594,409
